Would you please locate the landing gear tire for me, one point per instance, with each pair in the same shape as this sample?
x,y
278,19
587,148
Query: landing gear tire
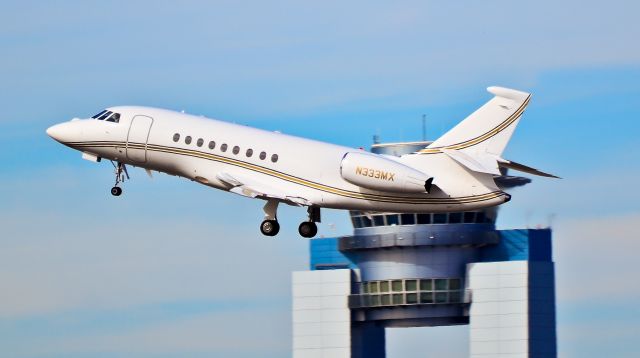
x,y
270,227
116,191
308,229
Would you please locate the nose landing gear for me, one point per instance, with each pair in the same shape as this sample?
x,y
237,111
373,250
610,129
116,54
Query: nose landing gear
x,y
270,225
121,174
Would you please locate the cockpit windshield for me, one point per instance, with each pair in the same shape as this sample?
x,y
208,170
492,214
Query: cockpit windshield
x,y
108,116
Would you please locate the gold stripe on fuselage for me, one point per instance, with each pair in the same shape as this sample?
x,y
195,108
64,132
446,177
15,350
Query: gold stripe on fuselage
x,y
288,177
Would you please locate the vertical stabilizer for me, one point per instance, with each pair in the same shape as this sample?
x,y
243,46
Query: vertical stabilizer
x,y
488,129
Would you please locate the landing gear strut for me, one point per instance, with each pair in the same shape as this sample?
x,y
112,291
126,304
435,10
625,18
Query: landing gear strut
x,y
270,225
309,228
121,174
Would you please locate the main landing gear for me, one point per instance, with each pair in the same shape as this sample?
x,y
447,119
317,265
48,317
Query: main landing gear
x,y
121,174
309,228
271,227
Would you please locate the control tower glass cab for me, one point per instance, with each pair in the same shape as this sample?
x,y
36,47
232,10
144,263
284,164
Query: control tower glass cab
x,y
412,267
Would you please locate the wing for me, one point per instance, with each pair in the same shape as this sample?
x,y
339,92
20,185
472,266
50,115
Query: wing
x,y
252,188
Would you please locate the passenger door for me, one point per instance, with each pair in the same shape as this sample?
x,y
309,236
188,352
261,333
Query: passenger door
x,y
137,138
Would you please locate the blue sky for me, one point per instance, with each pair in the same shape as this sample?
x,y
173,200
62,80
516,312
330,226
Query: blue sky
x,y
85,275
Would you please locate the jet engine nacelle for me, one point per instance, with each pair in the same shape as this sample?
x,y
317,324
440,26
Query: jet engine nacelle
x,y
378,173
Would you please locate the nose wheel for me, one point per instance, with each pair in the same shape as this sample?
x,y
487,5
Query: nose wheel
x,y
116,191
121,175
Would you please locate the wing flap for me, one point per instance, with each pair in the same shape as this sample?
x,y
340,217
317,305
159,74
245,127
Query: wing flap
x,y
252,188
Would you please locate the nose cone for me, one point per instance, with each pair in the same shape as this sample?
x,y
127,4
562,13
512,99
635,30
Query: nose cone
x,y
63,132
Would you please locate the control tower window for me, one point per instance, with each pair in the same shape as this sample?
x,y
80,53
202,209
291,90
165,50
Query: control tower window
x,y
357,221
426,285
441,284
396,285
441,297
366,222
411,285
440,218
386,300
384,286
398,298
408,219
412,298
455,218
454,284
454,297
469,217
392,219
424,218
378,220
426,297
373,287
480,217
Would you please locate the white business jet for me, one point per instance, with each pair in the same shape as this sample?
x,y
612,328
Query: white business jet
x,y
454,173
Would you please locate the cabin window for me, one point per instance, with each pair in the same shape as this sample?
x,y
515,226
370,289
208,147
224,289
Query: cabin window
x,y
176,137
249,152
212,145
236,150
263,155
223,147
274,158
200,142
187,139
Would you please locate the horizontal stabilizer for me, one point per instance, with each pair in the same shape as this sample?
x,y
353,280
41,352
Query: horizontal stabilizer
x,y
481,164
523,168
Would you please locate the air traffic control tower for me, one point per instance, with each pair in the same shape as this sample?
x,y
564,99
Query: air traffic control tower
x,y
427,270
